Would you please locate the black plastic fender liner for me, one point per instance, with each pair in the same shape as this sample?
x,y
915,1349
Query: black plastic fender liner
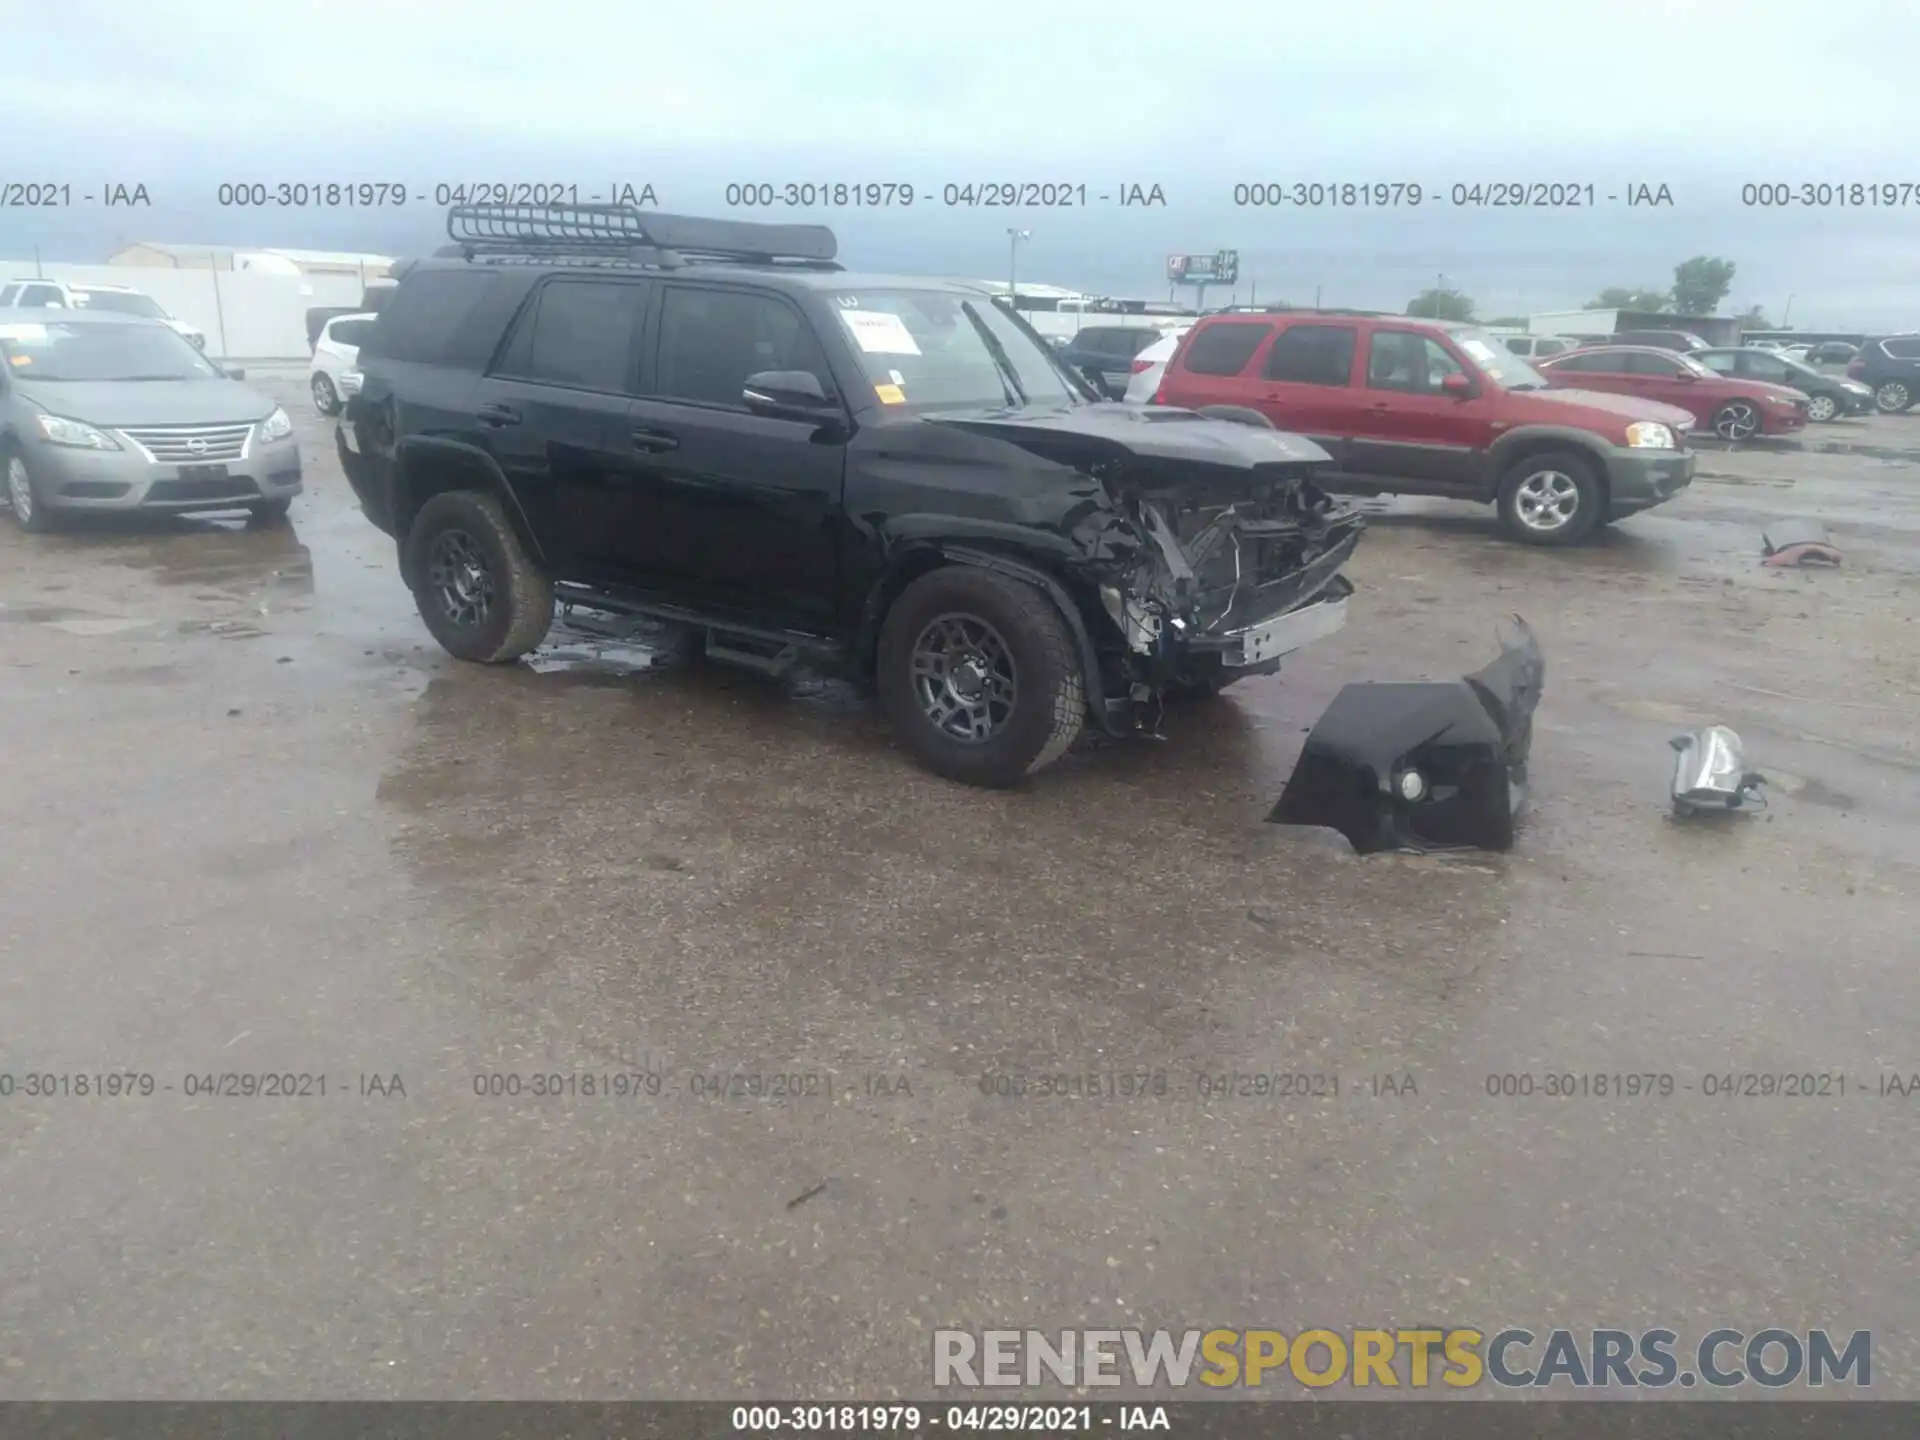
x,y
1436,765
1103,715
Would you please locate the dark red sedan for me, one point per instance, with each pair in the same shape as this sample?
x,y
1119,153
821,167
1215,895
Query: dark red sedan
x,y
1733,409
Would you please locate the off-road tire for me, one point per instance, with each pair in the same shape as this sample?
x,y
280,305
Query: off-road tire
x,y
1590,506
521,611
1050,697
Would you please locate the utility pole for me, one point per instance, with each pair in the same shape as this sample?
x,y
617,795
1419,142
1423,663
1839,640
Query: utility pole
x,y
1788,315
1014,237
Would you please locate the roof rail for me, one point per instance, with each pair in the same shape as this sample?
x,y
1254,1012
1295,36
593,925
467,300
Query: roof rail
x,y
623,232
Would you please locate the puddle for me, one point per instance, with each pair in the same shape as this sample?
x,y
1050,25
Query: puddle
x,y
92,625
225,629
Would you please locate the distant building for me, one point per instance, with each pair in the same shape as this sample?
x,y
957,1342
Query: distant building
x,y
1599,324
272,261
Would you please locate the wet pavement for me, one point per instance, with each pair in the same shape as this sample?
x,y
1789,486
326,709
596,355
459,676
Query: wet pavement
x,y
257,825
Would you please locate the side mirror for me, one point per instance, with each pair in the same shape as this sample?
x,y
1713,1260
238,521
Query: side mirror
x,y
1688,376
232,374
1457,385
788,395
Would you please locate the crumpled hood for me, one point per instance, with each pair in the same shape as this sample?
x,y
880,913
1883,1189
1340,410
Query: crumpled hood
x,y
1084,433
116,403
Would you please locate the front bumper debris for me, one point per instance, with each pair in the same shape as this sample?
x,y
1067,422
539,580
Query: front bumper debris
x,y
1426,765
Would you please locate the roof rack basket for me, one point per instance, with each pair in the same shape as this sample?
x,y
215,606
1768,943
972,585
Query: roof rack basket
x,y
624,232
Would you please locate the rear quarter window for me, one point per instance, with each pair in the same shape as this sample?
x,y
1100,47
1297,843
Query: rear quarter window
x,y
430,319
1223,349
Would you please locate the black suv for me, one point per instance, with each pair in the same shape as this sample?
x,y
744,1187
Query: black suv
x,y
1890,367
711,423
1107,351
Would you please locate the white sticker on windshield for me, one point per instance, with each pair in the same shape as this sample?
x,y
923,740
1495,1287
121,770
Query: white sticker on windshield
x,y
880,333
1480,350
23,332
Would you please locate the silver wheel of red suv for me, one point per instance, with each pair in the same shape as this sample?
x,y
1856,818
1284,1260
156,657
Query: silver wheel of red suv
x,y
1550,499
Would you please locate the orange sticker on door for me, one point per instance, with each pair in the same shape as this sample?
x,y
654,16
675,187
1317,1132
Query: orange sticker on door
x,y
890,394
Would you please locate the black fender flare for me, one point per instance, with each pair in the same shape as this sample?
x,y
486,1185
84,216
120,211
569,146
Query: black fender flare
x,y
1502,455
471,457
1062,602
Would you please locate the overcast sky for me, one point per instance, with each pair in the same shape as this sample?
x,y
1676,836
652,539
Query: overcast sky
x,y
1701,97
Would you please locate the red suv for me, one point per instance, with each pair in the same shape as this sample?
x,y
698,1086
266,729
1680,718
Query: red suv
x,y
1422,407
1735,409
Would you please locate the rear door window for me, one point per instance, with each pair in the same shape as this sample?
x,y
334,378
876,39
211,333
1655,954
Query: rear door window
x,y
350,332
1223,349
1312,355
1642,362
1903,349
1765,367
1597,362
575,333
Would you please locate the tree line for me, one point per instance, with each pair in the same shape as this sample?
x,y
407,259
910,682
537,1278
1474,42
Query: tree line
x,y
1699,285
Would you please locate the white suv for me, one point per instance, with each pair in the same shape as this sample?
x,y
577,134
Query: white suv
x,y
1539,347
121,299
335,371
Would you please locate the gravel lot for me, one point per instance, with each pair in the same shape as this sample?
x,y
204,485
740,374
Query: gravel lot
x,y
257,823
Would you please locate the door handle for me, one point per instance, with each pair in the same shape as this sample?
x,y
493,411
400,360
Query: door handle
x,y
655,441
498,415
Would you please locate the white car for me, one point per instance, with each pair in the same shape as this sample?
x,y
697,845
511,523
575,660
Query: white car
x,y
335,371
1539,347
1150,364
121,299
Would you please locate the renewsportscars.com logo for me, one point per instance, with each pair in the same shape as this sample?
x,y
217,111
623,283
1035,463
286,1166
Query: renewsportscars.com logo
x,y
1415,1359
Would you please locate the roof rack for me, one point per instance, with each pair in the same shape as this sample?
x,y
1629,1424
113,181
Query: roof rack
x,y
624,233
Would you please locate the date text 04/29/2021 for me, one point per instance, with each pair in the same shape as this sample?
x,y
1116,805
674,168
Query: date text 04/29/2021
x,y
830,194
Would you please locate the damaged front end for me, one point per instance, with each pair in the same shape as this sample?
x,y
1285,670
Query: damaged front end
x,y
1423,766
1213,552
1235,575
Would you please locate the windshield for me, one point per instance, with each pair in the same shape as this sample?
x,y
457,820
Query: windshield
x,y
122,302
939,349
1497,362
80,351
